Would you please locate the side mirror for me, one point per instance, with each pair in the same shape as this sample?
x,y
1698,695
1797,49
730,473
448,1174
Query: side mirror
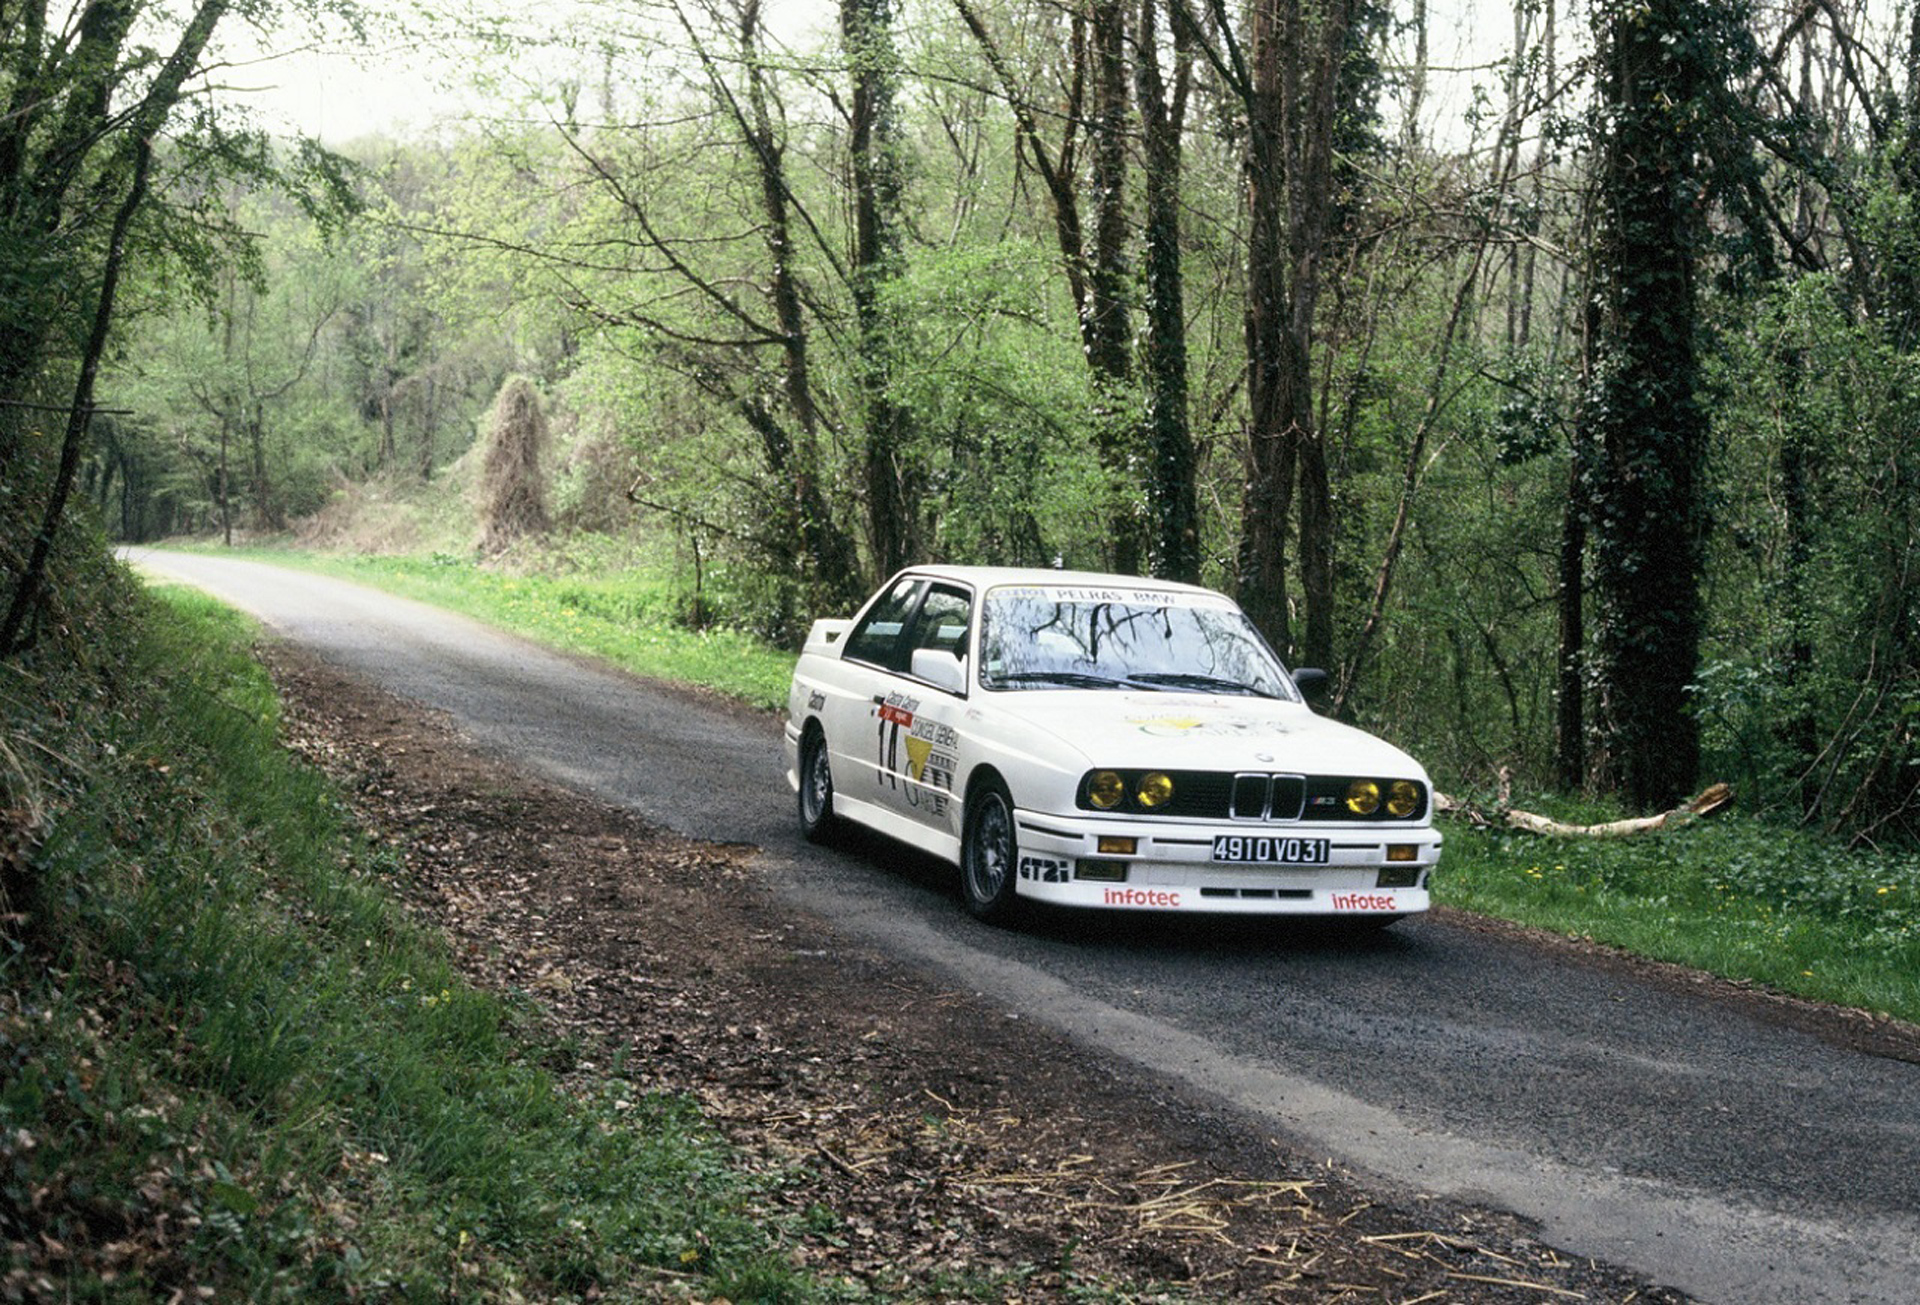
x,y
940,669
1312,683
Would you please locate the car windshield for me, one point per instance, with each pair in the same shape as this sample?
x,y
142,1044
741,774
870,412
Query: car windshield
x,y
1071,638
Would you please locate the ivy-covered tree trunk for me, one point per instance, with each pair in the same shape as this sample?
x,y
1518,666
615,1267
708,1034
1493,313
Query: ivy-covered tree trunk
x,y
1172,503
866,29
1647,426
1109,329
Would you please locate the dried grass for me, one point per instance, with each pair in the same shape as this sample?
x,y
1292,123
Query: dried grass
x,y
513,489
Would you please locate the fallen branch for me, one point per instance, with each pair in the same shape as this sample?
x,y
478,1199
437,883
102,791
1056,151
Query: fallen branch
x,y
1712,801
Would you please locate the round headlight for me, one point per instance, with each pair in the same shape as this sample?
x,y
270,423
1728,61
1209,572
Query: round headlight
x,y
1155,790
1106,790
1363,797
1403,798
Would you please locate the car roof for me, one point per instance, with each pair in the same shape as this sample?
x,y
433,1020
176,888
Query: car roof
x,y
985,577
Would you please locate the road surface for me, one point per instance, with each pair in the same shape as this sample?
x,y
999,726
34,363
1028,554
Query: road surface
x,y
1692,1141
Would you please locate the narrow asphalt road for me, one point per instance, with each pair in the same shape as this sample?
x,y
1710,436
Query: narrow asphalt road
x,y
1705,1147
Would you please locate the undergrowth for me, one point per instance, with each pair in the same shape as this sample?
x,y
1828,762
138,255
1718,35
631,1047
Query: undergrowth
x,y
231,1068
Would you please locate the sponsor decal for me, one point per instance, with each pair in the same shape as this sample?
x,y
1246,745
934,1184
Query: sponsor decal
x,y
1045,869
1136,597
1163,898
1364,902
816,700
1184,727
922,750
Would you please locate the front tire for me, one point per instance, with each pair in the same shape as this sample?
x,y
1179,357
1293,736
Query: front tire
x,y
989,853
818,823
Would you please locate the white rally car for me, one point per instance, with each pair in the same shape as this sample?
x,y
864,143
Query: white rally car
x,y
1100,741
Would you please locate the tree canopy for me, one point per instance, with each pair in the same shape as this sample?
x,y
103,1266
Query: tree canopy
x,y
1567,430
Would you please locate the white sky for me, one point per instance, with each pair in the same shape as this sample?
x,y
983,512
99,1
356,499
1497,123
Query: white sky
x,y
339,92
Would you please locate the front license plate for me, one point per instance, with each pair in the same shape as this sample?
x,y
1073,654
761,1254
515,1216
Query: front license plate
x,y
1247,849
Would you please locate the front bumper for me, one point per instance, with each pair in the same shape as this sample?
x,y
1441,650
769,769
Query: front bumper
x,y
1172,868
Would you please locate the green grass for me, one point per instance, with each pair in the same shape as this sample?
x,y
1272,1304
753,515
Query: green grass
x,y
1735,896
626,617
231,1063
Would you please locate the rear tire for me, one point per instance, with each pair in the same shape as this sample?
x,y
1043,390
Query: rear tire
x,y
818,823
989,854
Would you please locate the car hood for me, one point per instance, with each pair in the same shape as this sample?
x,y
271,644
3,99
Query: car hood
x,y
1184,731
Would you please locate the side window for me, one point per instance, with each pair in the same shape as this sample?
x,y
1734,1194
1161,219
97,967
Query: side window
x,y
943,621
878,637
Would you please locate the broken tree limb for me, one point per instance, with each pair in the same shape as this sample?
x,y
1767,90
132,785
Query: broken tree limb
x,y
1711,801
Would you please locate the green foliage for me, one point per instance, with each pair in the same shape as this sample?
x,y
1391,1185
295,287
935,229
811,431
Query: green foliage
x,y
1009,467
236,1064
1810,688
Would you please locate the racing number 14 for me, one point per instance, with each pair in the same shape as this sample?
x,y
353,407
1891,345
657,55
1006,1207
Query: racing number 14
x,y
893,718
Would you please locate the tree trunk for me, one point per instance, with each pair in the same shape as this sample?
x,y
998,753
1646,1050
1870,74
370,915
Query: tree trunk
x,y
1649,430
1292,92
830,555
1109,334
27,591
1171,492
1570,702
892,511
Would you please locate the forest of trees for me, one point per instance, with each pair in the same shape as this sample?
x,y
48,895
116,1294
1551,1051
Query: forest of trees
x,y
1572,431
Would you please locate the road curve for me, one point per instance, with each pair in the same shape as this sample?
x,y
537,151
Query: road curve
x,y
1708,1148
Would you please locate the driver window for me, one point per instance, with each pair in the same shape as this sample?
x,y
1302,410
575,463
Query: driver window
x,y
877,638
943,621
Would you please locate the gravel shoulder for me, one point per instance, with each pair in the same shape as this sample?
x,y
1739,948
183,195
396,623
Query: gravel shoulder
x,y
948,1136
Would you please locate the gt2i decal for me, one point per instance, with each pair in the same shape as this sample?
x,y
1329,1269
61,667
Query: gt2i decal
x,y
919,748
1045,869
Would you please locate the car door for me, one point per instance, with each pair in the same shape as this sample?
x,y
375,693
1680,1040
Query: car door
x,y
927,729
857,721
897,740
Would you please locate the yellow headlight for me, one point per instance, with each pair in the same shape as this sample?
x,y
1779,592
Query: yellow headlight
x,y
1403,798
1156,790
1106,790
1363,797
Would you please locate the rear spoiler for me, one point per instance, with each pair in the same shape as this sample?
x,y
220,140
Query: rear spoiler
x,y
826,634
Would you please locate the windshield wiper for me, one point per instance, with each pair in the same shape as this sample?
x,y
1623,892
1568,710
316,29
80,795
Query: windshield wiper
x,y
1064,679
1202,683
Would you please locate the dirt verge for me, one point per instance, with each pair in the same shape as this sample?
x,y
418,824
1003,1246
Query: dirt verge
x,y
945,1135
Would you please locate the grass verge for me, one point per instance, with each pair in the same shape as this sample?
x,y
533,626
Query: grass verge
x,y
1736,896
234,1070
625,616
